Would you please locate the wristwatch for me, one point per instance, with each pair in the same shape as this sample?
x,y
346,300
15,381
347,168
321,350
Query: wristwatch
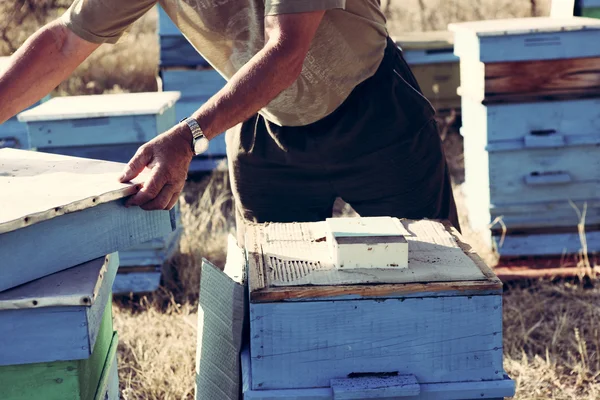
x,y
199,141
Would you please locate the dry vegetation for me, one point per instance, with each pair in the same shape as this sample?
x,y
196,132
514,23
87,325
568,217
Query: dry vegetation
x,y
552,329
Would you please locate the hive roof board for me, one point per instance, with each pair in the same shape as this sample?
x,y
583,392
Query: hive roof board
x,y
293,261
425,40
104,105
519,26
526,39
57,212
58,315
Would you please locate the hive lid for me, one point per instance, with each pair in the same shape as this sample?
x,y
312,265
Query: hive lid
x,y
77,286
36,187
102,105
430,40
519,26
291,261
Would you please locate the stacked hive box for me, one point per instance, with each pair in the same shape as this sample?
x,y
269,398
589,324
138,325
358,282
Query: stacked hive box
x,y
184,70
110,127
59,217
432,60
530,91
590,8
319,332
13,133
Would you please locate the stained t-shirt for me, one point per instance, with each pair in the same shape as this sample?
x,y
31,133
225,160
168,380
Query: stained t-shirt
x,y
347,48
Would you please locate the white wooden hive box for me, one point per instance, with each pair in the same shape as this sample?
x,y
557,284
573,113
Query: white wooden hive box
x,y
439,319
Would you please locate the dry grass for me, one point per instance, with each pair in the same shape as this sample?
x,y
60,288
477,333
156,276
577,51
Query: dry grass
x,y
551,329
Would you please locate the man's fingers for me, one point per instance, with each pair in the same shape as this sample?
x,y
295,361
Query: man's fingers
x,y
174,200
136,165
152,187
161,201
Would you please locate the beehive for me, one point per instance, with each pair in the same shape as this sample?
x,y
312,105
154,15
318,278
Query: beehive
x,y
60,211
109,127
58,339
183,69
429,331
432,60
530,91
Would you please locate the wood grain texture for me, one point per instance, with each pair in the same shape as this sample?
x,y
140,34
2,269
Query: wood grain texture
x,y
94,131
526,39
513,122
59,243
176,51
108,381
137,282
52,333
286,261
27,175
546,244
102,105
542,78
77,286
375,387
60,380
220,323
491,390
445,339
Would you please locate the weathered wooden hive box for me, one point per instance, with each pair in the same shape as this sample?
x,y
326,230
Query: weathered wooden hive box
x,y
432,60
184,70
57,335
590,8
110,127
13,133
59,211
432,330
530,95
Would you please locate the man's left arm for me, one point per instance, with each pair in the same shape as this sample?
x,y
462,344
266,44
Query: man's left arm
x,y
268,73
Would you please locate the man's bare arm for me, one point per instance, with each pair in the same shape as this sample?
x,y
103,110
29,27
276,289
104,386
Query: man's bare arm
x,y
268,73
45,59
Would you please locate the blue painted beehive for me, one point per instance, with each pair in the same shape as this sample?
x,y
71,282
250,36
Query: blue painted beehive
x,y
432,330
109,127
175,50
59,211
196,87
57,336
432,60
531,130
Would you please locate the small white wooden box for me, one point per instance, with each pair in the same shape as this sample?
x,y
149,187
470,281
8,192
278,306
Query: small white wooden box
x,y
374,242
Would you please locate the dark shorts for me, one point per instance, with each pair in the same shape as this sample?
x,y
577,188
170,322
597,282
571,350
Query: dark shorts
x,y
380,151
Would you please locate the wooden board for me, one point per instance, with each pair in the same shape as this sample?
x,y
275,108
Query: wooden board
x,y
590,3
221,314
137,282
288,261
591,12
439,83
73,379
528,80
98,131
437,339
516,121
108,388
57,327
102,105
59,243
526,39
14,134
77,286
548,244
177,51
26,175
491,390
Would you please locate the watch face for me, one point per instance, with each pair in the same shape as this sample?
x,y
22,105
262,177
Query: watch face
x,y
200,145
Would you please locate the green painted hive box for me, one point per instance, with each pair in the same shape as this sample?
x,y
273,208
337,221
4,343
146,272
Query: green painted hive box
x,y
88,379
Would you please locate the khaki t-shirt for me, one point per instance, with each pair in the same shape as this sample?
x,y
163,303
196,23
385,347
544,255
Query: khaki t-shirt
x,y
347,48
